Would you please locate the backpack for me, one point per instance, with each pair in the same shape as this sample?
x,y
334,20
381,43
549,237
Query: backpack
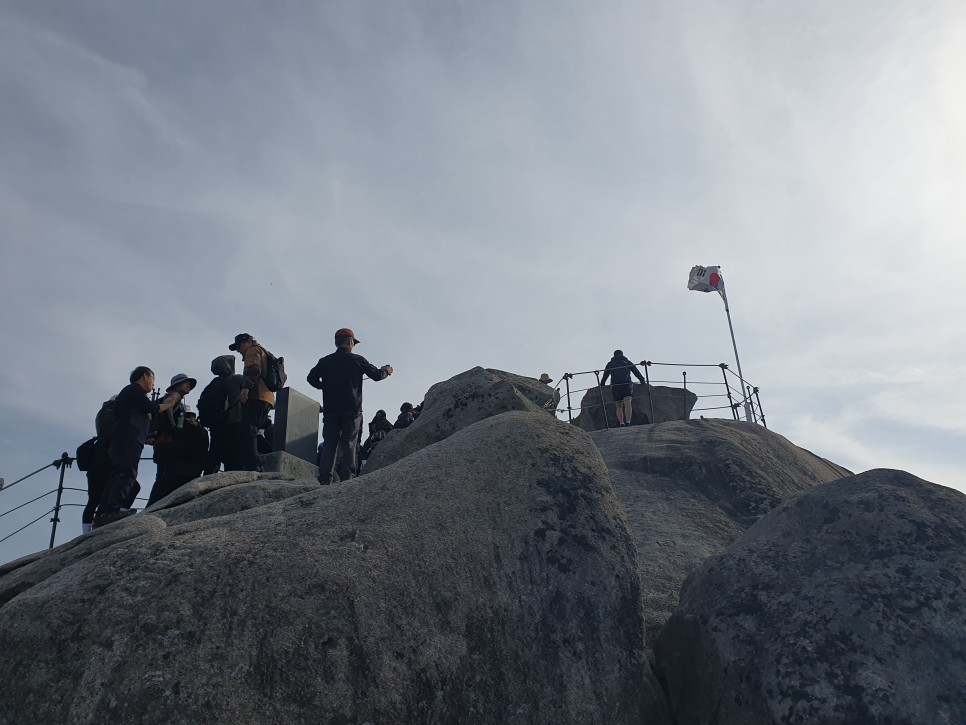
x,y
85,454
106,420
275,376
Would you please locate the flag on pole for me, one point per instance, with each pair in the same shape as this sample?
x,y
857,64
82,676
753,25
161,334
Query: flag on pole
x,y
707,279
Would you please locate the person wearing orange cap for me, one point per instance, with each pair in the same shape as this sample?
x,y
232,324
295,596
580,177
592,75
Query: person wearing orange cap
x,y
339,377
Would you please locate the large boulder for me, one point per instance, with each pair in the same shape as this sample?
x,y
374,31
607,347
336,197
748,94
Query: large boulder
x,y
488,578
462,400
691,488
206,497
651,404
847,604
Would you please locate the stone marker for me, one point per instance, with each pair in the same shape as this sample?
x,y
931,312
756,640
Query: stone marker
x,y
296,425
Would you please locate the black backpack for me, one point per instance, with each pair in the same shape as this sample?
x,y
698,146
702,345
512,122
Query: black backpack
x,y
85,454
275,376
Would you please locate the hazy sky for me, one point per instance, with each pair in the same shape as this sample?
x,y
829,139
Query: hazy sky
x,y
522,186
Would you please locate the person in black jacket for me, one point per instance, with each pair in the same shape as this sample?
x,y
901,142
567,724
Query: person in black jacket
x,y
132,414
220,411
406,416
619,369
339,377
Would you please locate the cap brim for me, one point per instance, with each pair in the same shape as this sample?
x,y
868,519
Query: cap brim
x,y
233,347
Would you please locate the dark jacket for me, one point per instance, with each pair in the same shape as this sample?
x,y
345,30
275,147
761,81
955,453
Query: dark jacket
x,y
339,377
620,369
132,411
218,404
379,423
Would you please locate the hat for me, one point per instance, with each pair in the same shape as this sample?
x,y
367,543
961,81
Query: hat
x,y
181,378
545,379
239,339
345,333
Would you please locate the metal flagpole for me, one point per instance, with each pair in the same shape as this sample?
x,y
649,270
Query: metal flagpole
x,y
744,395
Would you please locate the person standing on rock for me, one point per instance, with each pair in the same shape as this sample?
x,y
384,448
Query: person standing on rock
x,y
256,399
169,439
132,421
339,377
619,370
220,411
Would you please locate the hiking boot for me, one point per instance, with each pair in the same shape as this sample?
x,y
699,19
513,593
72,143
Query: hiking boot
x,y
111,516
324,480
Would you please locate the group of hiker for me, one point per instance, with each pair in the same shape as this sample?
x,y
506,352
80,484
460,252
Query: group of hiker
x,y
235,408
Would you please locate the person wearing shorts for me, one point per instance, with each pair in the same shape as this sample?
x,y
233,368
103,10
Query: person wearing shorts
x,y
619,370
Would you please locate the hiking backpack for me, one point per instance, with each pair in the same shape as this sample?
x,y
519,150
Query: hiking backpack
x,y
85,455
275,376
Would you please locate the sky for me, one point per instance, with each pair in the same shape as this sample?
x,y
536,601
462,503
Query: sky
x,y
514,185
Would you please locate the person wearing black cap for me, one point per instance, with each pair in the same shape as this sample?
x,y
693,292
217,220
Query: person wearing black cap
x,y
619,368
339,377
168,443
256,399
132,420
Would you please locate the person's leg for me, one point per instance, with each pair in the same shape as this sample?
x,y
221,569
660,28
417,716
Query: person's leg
x,y
253,415
234,439
349,446
125,457
619,411
216,452
95,489
331,432
628,410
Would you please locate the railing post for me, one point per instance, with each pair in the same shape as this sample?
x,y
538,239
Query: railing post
x,y
685,374
62,463
603,405
647,382
731,402
760,411
570,417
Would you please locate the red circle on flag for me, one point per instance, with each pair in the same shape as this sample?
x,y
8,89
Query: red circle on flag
x,y
714,278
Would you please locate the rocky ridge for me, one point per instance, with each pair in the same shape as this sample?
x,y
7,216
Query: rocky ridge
x,y
507,567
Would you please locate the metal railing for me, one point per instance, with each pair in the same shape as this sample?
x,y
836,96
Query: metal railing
x,y
747,401
62,464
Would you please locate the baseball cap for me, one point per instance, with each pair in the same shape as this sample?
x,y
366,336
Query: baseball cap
x,y
345,333
239,339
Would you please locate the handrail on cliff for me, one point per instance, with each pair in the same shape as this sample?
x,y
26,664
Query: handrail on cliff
x,y
748,399
63,463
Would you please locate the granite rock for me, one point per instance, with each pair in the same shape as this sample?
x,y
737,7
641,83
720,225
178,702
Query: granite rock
x,y
449,587
690,488
668,404
462,400
846,604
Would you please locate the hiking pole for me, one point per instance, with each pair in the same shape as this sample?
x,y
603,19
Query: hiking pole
x,y
62,463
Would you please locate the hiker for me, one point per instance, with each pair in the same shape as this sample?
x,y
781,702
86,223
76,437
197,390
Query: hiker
x,y
379,427
94,459
545,379
339,377
619,369
256,399
132,415
405,417
168,439
220,411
